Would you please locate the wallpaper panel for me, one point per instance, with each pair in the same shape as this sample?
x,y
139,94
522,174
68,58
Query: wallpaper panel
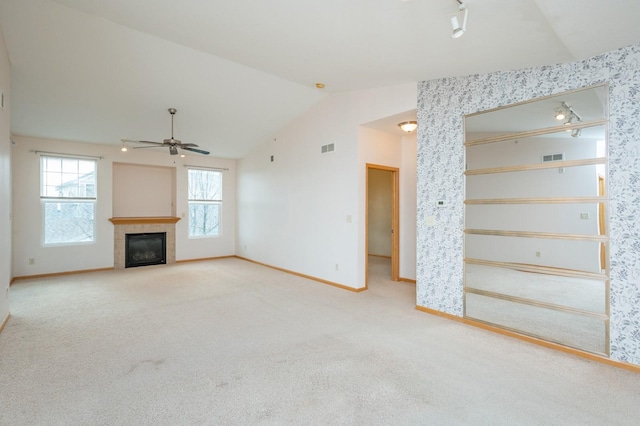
x,y
441,106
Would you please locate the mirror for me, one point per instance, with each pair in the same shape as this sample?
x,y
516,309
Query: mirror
x,y
536,228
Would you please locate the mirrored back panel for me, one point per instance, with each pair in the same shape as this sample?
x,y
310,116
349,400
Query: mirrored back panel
x,y
536,226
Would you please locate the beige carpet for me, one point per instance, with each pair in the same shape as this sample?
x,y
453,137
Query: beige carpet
x,y
230,342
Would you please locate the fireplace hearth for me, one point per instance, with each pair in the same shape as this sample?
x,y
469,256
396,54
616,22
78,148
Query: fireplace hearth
x,y
145,249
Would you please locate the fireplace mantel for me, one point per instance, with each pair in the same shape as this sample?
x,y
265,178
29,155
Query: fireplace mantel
x,y
143,220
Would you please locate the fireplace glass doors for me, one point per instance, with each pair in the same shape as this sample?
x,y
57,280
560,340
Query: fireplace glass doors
x,y
145,249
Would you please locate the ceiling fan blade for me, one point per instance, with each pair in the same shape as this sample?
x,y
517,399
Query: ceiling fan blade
x,y
153,143
134,141
193,145
199,151
143,147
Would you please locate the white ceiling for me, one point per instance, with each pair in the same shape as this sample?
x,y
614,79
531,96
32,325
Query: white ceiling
x,y
238,70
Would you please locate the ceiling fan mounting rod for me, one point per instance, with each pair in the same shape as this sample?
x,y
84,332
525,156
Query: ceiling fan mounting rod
x,y
172,111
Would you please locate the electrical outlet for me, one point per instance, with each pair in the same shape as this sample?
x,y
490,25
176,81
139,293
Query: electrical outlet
x,y
538,254
32,261
584,215
337,267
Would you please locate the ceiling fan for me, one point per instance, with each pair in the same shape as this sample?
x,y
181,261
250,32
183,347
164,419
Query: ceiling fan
x,y
172,143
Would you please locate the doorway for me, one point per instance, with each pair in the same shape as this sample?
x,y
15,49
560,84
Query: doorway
x,y
382,217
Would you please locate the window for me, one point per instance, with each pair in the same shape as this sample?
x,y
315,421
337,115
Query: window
x,y
205,201
68,197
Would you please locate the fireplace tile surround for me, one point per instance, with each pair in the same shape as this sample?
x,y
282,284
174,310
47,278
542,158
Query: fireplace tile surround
x,y
141,225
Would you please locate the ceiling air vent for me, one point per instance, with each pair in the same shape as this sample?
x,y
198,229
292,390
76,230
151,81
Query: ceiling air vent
x,y
328,148
552,157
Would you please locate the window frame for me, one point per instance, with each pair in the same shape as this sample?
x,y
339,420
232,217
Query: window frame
x,y
205,202
46,200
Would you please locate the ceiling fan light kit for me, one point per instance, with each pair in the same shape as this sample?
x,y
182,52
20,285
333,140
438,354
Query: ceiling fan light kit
x,y
172,143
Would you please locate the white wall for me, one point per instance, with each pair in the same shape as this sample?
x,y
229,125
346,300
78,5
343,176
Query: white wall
x,y
294,212
408,191
27,226
141,190
5,184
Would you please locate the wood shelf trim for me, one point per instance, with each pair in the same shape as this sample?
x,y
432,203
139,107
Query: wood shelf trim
x,y
143,220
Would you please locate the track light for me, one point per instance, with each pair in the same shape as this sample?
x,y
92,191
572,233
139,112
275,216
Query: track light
x,y
408,126
457,29
567,112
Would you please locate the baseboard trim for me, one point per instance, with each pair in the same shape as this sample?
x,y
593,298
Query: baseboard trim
x,y
83,271
57,274
6,320
529,339
407,280
309,277
205,258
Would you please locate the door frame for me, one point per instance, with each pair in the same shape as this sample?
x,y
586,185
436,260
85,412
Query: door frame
x,y
395,222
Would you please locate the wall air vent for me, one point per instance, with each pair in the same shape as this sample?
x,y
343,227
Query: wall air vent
x,y
328,148
552,157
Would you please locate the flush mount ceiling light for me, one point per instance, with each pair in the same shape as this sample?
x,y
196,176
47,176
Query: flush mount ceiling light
x,y
463,12
408,126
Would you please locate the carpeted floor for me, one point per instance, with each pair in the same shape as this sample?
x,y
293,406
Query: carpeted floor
x,y
234,343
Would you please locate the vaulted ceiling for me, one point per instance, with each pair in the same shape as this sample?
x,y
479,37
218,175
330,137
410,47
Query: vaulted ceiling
x,y
238,70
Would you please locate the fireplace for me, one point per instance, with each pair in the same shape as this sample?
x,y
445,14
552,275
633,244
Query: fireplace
x,y
145,249
143,225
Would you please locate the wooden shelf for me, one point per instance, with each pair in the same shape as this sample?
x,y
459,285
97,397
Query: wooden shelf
x,y
143,220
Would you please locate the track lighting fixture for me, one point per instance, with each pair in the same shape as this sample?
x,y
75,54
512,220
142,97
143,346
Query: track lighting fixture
x,y
408,126
457,29
567,112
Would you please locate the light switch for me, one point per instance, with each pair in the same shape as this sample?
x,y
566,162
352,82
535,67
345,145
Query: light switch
x,y
349,219
430,220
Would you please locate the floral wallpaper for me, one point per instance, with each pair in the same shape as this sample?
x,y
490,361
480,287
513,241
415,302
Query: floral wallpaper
x,y
441,106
